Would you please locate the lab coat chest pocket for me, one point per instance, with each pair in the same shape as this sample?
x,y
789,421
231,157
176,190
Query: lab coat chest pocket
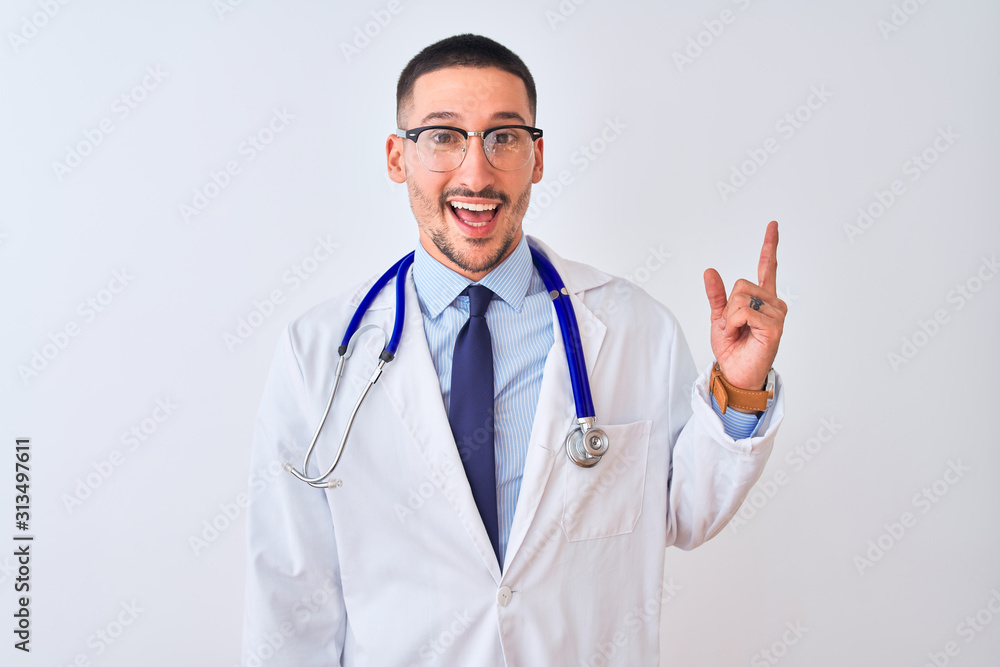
x,y
606,500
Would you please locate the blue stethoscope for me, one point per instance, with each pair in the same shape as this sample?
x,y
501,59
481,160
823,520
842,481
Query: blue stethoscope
x,y
585,443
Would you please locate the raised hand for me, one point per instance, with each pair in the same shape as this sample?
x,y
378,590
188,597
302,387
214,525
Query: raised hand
x,y
746,327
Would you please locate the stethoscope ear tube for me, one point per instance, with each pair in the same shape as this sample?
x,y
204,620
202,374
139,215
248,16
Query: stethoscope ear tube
x,y
389,346
345,352
354,329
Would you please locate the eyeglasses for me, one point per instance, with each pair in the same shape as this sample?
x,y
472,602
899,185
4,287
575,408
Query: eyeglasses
x,y
443,148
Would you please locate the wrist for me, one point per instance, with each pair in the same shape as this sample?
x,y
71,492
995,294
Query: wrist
x,y
743,400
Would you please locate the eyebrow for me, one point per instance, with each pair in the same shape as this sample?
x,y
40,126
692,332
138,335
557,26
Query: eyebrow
x,y
452,116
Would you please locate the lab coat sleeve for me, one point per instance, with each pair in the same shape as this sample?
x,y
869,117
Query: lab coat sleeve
x,y
710,472
294,611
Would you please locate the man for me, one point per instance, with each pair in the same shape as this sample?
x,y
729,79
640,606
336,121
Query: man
x,y
437,548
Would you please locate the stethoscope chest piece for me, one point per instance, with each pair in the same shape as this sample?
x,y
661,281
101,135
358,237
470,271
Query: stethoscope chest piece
x,y
586,444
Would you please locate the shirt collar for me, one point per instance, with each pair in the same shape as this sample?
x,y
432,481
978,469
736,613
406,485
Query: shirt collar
x,y
438,286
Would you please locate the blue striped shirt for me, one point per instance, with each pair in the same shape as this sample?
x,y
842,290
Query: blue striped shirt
x,y
520,322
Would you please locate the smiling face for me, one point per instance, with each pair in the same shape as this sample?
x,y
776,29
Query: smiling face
x,y
453,229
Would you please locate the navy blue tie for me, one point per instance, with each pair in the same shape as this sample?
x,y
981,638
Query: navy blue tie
x,y
471,411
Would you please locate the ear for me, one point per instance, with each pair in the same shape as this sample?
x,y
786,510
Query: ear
x,y
536,172
394,158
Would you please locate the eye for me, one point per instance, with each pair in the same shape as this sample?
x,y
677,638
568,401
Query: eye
x,y
443,138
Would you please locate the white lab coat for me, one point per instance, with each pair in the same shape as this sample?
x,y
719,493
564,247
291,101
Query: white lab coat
x,y
395,567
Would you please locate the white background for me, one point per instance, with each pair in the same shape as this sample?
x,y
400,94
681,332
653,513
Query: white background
x,y
797,555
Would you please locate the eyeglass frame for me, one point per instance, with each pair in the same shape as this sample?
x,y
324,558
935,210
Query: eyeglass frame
x,y
415,133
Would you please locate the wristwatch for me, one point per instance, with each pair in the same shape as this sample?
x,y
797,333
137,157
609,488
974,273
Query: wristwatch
x,y
744,400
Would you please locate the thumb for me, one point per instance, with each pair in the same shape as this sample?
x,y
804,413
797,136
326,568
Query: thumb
x,y
716,291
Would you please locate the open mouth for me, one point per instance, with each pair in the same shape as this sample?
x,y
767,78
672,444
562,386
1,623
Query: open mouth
x,y
474,217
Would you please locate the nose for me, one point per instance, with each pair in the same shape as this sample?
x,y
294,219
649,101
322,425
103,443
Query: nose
x,y
475,172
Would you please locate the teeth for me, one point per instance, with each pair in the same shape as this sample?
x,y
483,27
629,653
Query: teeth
x,y
473,207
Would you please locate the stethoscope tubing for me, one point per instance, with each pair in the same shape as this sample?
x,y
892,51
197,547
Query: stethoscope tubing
x,y
397,325
397,270
566,315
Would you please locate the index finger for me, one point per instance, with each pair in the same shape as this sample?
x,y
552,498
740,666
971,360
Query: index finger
x,y
767,267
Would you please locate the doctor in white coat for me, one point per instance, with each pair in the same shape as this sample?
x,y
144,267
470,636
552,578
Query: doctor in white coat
x,y
395,566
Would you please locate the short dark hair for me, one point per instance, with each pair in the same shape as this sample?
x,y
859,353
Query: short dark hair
x,y
462,51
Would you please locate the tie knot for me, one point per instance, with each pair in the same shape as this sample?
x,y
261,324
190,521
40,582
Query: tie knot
x,y
479,300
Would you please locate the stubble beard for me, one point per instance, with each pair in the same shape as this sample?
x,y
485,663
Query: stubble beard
x,y
439,235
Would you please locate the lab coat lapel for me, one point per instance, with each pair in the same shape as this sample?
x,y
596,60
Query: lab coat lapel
x,y
411,383
556,411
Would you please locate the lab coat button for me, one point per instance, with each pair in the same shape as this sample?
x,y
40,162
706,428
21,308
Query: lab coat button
x,y
503,596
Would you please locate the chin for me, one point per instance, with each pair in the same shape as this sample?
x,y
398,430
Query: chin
x,y
476,255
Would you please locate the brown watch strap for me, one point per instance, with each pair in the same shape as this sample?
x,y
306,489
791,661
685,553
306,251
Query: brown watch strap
x,y
726,395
